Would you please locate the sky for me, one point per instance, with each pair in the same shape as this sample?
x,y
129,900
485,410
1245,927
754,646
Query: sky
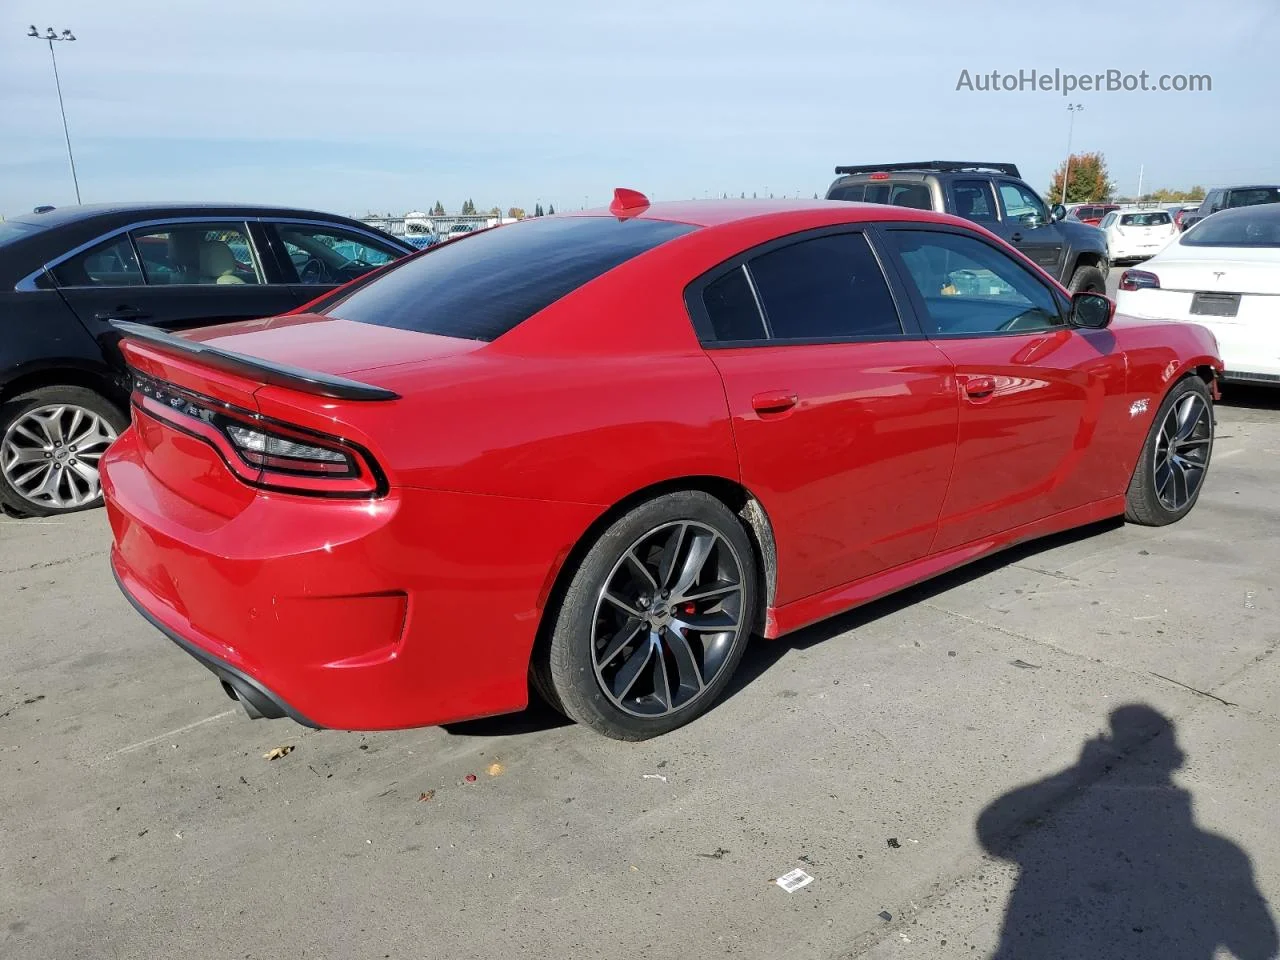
x,y
392,105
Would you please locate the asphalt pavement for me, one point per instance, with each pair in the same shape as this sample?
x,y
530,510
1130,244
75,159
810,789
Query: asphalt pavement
x,y
1067,750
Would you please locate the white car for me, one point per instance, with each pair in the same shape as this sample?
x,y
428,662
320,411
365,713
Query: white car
x,y
1137,234
1224,274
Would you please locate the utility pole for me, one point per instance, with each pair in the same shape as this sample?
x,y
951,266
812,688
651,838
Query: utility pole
x,y
53,37
1142,167
1073,108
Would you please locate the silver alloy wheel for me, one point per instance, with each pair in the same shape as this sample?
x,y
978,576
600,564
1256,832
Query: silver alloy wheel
x,y
667,618
50,455
1182,451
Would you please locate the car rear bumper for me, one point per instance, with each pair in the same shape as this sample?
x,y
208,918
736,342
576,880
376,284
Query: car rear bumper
x,y
1249,344
415,609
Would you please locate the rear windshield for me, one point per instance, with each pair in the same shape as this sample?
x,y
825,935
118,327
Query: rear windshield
x,y
11,230
1251,196
1249,227
909,193
480,287
1145,219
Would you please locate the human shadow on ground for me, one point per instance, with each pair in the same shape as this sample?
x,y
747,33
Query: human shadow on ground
x,y
1112,865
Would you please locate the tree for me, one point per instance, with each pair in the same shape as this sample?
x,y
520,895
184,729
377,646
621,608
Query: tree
x,y
516,213
468,208
537,210
1087,180
495,211
1165,194
551,209
438,209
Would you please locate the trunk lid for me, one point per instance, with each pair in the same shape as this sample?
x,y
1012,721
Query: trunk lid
x,y
1218,270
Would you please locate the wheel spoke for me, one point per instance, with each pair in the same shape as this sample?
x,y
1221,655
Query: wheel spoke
x,y
631,669
1163,475
689,674
718,589
52,423
22,455
623,606
635,562
24,430
1188,416
695,558
1179,484
661,682
708,622
671,555
85,472
630,630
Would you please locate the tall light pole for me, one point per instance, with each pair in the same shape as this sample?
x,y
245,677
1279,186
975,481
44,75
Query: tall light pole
x,y
1074,108
53,37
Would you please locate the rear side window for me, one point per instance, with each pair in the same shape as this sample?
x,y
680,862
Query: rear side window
x,y
1160,219
1253,196
914,195
731,307
827,288
974,200
480,287
109,264
851,191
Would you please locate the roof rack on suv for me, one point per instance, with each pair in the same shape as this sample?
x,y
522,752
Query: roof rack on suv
x,y
940,166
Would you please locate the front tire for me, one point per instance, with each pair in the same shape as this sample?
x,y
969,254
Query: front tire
x,y
1087,280
1175,457
655,619
51,440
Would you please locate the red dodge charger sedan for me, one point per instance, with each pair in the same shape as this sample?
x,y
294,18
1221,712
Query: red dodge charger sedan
x,y
598,452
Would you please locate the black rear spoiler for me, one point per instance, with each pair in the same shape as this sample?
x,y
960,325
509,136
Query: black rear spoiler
x,y
277,374
932,166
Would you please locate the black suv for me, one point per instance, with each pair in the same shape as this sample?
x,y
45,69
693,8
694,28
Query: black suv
x,y
995,196
65,274
1227,198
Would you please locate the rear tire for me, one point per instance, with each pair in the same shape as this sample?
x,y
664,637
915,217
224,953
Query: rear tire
x,y
655,619
1175,457
1087,280
30,426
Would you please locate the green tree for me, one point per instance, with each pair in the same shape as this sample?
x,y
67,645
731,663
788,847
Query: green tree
x,y
1087,180
438,209
551,209
468,208
516,212
1165,194
537,210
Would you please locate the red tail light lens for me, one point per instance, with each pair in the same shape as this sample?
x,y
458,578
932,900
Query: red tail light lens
x,y
879,176
261,451
1139,280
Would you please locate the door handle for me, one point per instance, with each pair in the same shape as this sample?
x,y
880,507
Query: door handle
x,y
773,402
979,388
122,312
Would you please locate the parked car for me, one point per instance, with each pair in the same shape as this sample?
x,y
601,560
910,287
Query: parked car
x,y
1179,211
66,274
1224,274
607,447
1228,198
1135,234
993,195
1090,213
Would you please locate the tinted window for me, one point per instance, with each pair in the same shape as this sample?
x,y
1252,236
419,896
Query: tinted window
x,y
825,288
915,195
1019,201
200,253
1253,196
327,255
1108,220
1248,227
731,307
974,200
969,287
851,191
110,264
1160,219
481,287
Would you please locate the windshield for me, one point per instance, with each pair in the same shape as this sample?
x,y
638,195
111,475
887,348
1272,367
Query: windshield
x,y
480,289
1247,227
11,230
1145,219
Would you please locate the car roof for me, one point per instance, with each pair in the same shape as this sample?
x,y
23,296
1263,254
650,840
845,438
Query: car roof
x,y
715,213
61,216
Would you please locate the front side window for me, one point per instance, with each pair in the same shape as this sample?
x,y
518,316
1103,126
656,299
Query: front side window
x,y
974,200
197,253
970,288
483,286
826,288
1019,202
110,264
329,255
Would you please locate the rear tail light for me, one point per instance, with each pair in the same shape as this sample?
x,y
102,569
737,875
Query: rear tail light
x,y
261,451
1139,280
879,176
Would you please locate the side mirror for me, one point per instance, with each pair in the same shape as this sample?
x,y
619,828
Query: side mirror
x,y
1092,311
1057,212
